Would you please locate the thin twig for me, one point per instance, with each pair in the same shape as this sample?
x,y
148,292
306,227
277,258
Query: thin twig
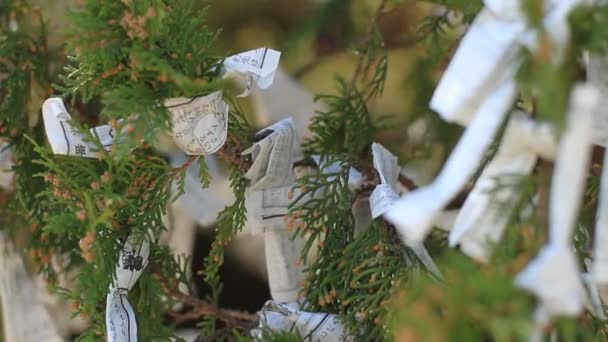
x,y
202,308
234,158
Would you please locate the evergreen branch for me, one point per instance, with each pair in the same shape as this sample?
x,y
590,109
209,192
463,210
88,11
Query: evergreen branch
x,y
367,43
202,308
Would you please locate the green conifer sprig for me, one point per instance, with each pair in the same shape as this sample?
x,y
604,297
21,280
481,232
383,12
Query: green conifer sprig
x,y
134,55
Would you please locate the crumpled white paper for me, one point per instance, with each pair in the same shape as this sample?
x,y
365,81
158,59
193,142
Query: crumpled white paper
x,y
476,90
121,323
267,199
6,174
553,276
200,124
385,195
24,317
67,140
597,71
260,63
485,214
311,326
472,76
273,155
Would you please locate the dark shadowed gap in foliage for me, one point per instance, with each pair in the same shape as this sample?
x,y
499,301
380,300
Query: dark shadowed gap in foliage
x,y
243,289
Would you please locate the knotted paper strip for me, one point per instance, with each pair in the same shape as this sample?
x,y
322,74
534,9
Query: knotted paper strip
x,y
505,9
268,200
121,324
472,76
414,213
310,326
24,317
487,209
559,289
199,124
260,63
597,72
384,196
477,89
594,306
65,139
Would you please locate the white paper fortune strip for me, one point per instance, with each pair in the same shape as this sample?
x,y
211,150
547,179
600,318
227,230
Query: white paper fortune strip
x,y
597,71
200,124
415,212
471,76
24,317
268,198
121,324
311,326
261,63
486,211
384,196
594,305
67,140
355,178
273,156
505,9
559,289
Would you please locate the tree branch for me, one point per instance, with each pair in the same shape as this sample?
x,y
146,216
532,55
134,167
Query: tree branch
x,y
202,308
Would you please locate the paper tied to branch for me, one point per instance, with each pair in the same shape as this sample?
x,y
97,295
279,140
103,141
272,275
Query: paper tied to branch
x,y
596,297
311,326
355,178
6,173
267,209
24,317
413,214
260,63
285,271
559,289
487,209
65,139
121,324
268,198
273,155
384,194
487,55
554,278
597,69
199,124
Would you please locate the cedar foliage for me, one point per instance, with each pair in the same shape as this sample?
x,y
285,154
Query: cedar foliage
x,y
125,57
